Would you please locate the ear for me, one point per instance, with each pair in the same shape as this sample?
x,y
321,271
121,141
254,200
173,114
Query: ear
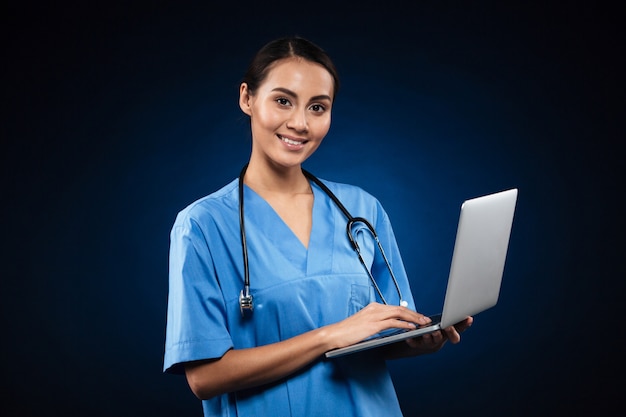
x,y
244,99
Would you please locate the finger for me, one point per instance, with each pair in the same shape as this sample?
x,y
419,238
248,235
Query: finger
x,y
438,337
423,342
453,336
398,312
413,343
398,324
464,325
410,315
430,342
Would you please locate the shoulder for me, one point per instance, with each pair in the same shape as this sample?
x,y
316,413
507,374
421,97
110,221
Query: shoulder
x,y
349,191
356,199
219,204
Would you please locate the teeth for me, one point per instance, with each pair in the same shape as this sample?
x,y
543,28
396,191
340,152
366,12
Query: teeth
x,y
291,142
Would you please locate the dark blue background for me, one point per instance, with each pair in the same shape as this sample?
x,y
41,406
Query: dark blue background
x,y
117,116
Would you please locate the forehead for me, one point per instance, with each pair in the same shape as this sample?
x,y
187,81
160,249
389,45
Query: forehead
x,y
299,75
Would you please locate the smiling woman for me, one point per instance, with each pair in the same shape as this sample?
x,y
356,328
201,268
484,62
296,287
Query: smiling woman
x,y
289,116
311,293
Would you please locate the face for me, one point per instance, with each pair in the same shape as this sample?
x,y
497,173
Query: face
x,y
289,112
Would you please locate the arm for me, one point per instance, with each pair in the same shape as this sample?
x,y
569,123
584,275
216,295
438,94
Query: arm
x,y
240,369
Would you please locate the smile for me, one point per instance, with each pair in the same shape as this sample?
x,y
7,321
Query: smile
x,y
291,141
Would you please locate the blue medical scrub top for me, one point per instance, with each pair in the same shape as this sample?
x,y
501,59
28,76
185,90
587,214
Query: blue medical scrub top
x,y
295,290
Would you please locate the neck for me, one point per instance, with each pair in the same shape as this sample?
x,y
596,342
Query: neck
x,y
276,179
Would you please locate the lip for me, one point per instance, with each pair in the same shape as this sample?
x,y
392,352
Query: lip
x,y
291,142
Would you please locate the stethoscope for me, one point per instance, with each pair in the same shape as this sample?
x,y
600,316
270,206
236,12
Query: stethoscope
x,y
246,304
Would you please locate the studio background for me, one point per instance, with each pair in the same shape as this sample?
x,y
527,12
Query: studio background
x,y
116,116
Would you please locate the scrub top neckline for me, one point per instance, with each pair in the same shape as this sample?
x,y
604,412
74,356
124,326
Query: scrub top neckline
x,y
321,238
282,221
315,190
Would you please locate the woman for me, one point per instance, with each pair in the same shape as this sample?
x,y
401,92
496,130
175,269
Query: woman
x,y
311,293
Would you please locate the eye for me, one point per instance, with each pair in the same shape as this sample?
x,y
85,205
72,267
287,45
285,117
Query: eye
x,y
318,108
283,101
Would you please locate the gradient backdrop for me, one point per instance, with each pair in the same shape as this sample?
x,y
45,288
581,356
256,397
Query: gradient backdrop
x,y
119,115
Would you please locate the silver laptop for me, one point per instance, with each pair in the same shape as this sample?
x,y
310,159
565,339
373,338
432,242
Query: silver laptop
x,y
480,248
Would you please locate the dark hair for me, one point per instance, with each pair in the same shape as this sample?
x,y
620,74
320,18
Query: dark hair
x,y
282,48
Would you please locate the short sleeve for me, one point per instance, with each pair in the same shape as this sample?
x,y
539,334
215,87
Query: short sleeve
x,y
196,318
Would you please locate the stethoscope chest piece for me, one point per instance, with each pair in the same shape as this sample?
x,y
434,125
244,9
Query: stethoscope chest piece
x,y
246,303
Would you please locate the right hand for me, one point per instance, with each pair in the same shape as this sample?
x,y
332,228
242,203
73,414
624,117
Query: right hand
x,y
372,319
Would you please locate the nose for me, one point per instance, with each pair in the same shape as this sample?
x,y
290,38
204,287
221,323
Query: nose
x,y
298,121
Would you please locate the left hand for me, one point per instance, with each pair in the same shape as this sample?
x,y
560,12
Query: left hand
x,y
432,342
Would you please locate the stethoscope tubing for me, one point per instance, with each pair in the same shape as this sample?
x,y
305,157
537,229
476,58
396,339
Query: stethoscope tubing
x,y
351,221
245,297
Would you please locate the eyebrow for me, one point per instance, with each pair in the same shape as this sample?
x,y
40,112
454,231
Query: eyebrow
x,y
291,93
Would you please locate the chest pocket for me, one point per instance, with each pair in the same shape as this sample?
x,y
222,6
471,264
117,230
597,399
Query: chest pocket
x,y
361,296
